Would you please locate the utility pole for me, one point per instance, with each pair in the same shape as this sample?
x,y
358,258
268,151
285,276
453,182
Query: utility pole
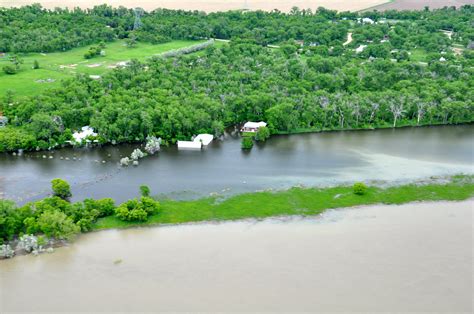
x,y
138,22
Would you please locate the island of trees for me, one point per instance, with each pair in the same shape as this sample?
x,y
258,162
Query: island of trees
x,y
297,71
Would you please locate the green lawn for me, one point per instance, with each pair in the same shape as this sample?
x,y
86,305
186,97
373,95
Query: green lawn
x,y
59,65
418,55
296,201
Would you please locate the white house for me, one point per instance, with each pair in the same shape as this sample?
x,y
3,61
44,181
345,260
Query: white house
x,y
252,126
85,132
366,20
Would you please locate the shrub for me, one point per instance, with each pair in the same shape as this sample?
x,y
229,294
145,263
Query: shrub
x,y
9,69
61,188
247,142
6,251
144,190
360,188
134,210
104,207
150,205
262,134
137,154
152,145
36,65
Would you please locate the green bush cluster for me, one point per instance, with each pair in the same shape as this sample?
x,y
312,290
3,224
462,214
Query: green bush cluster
x,y
247,142
57,217
137,210
359,188
262,134
94,51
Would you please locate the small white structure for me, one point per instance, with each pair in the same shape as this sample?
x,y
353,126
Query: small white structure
x,y
366,20
252,126
360,48
197,143
189,145
85,132
205,139
95,77
3,121
442,59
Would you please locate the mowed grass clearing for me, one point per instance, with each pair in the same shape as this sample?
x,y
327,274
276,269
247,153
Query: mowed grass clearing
x,y
295,201
59,65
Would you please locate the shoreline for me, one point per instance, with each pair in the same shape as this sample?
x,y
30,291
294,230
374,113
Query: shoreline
x,y
278,133
57,244
296,201
280,218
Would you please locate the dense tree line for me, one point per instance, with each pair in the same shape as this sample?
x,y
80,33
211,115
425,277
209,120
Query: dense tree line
x,y
177,98
314,84
34,29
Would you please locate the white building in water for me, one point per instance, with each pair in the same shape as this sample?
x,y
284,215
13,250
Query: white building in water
x,y
197,143
85,132
252,126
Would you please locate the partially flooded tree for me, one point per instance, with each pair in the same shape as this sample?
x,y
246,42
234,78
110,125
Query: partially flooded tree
x,y
397,111
61,188
374,107
420,111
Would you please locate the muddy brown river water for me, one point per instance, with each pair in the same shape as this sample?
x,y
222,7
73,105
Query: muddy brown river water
x,y
409,258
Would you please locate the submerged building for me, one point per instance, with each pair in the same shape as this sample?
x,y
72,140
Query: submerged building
x,y
252,126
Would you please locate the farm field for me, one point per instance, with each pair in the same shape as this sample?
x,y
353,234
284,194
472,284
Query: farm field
x,y
59,65
418,4
207,5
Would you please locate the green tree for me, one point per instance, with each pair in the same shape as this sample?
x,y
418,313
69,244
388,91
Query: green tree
x,y
9,69
16,61
61,188
247,142
262,134
359,188
36,64
144,190
54,223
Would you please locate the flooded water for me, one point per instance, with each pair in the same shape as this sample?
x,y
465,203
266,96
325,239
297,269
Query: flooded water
x,y
283,161
409,258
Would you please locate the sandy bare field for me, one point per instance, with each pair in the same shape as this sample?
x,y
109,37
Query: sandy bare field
x,y
420,4
207,5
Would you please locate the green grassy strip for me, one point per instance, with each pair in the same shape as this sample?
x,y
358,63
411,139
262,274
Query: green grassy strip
x,y
295,201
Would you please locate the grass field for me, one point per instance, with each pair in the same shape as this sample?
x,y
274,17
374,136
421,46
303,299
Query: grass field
x,y
59,65
207,5
296,201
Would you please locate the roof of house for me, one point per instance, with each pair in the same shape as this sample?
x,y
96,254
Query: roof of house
x,y
254,125
205,139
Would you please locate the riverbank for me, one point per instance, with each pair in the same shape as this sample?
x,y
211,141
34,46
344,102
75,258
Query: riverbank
x,y
401,125
296,201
